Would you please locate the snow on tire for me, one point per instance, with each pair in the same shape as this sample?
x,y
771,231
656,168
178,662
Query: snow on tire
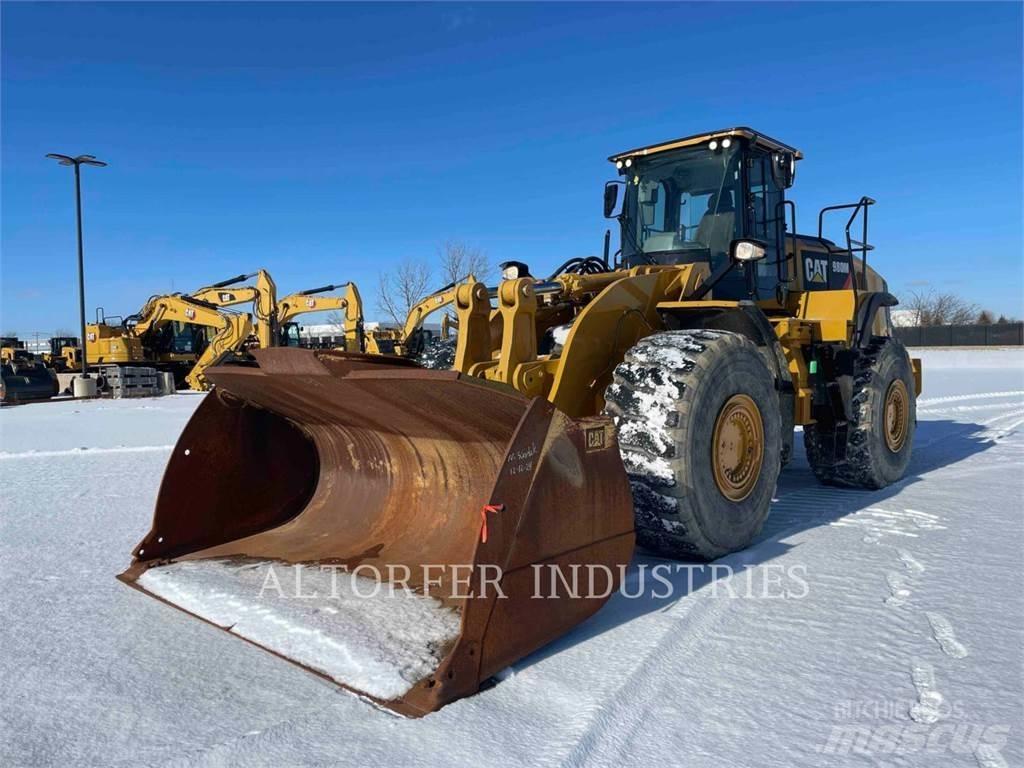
x,y
871,460
666,398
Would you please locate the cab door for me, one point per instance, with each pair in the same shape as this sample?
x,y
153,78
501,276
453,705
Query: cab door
x,y
764,219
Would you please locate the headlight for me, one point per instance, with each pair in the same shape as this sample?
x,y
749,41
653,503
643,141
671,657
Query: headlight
x,y
712,145
748,250
513,270
726,143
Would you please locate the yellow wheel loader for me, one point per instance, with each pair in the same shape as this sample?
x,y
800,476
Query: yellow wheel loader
x,y
64,355
169,333
651,396
23,378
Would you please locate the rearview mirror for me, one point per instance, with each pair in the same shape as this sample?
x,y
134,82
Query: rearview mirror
x,y
747,250
612,209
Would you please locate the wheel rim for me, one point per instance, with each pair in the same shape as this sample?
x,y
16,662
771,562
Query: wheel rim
x,y
738,447
896,415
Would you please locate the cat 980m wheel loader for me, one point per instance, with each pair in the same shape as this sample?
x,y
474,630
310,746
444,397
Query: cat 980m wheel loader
x,y
651,395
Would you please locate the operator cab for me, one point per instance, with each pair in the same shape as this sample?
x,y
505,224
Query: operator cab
x,y
691,200
289,335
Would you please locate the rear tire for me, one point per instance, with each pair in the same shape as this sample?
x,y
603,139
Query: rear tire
x,y
881,433
674,393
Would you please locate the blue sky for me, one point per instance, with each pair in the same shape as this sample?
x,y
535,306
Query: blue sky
x,y
328,142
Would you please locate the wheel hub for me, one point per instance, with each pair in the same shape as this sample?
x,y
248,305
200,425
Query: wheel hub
x,y
738,447
896,415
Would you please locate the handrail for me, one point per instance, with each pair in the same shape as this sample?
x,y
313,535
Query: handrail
x,y
862,246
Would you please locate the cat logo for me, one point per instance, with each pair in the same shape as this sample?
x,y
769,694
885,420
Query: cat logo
x,y
190,313
225,297
595,438
310,303
815,270
91,336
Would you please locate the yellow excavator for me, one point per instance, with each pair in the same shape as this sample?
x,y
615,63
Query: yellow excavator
x,y
304,302
170,332
412,341
275,317
650,396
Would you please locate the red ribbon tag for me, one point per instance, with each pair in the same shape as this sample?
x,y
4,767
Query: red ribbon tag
x,y
495,508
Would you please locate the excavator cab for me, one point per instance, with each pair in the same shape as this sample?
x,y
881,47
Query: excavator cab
x,y
290,335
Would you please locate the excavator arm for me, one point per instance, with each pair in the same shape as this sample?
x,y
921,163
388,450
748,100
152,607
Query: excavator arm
x,y
262,295
232,329
351,303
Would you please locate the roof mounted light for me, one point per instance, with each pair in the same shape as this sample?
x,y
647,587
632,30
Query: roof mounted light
x,y
726,143
618,164
713,145
629,162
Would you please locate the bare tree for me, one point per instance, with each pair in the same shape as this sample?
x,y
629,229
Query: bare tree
x,y
985,318
337,319
400,290
933,308
459,259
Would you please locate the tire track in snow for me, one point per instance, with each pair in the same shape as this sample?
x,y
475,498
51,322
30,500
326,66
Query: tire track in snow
x,y
618,715
928,401
5,456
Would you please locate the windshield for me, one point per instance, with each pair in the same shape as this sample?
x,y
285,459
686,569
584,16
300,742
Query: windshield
x,y
681,206
290,335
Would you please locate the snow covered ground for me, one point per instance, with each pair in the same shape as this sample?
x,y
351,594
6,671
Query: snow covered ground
x,y
864,628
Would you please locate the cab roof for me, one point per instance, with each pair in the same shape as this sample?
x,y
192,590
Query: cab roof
x,y
751,135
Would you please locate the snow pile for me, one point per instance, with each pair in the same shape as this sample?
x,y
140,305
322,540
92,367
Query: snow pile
x,y
358,632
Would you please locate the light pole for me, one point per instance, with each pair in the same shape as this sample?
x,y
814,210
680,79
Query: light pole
x,y
78,162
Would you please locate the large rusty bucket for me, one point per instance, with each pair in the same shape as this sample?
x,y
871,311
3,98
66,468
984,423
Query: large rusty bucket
x,y
506,522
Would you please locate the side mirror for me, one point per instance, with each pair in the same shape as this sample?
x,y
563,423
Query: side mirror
x,y
611,199
747,250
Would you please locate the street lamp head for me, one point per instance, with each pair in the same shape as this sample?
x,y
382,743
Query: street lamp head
x,y
80,160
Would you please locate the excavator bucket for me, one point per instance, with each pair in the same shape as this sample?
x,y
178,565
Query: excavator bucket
x,y
406,533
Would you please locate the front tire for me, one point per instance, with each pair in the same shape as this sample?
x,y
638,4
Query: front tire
x,y
699,431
